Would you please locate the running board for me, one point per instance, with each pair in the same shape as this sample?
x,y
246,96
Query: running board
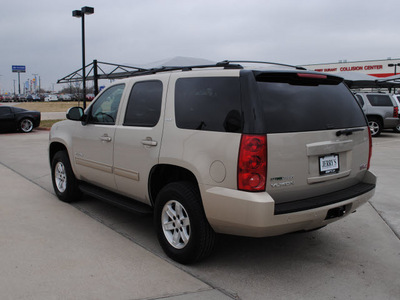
x,y
123,202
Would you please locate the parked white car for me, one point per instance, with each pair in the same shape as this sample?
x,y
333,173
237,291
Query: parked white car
x,y
66,97
51,98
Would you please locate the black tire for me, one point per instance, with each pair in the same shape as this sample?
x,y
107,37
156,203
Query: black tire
x,y
397,128
182,228
25,125
375,126
64,182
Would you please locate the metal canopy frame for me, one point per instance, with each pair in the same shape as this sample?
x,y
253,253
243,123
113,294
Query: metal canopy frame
x,y
96,71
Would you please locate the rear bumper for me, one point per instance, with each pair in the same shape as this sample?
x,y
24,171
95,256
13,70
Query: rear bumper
x,y
391,123
255,214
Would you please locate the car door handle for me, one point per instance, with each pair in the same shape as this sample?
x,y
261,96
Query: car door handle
x,y
105,138
149,142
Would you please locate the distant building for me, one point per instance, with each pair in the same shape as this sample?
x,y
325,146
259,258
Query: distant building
x,y
377,68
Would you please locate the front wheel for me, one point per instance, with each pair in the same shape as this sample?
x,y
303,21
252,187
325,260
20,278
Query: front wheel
x,y
182,228
64,182
25,125
397,128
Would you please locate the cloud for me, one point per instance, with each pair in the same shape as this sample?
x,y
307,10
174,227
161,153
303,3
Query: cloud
x,y
45,37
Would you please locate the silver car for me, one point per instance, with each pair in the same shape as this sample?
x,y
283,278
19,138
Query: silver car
x,y
381,109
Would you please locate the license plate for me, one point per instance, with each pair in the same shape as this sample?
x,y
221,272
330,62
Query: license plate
x,y
329,164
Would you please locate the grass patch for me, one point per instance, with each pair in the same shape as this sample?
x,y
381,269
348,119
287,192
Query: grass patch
x,y
48,106
48,123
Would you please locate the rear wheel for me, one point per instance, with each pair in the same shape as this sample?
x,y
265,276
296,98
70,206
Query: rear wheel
x,y
25,125
64,182
375,126
182,228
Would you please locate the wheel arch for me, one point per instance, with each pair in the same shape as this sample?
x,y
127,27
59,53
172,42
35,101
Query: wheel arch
x,y
54,148
377,117
161,175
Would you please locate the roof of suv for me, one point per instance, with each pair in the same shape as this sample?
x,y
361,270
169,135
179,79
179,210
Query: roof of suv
x,y
226,64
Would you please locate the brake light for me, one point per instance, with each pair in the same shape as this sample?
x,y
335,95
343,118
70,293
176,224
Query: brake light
x,y
252,163
395,112
370,149
313,76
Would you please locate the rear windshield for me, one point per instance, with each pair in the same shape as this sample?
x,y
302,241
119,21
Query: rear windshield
x,y
307,105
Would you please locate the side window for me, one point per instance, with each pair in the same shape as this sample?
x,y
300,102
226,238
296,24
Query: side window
x,y
104,110
5,111
208,103
144,105
360,100
380,100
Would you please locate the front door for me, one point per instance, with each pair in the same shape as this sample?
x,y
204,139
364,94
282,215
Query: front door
x,y
94,142
7,121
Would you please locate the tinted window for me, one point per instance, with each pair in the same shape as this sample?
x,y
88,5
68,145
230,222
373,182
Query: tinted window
x,y
297,107
379,100
208,103
144,106
360,100
5,111
105,109
19,110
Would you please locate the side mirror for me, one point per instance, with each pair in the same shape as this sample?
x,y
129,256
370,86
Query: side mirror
x,y
75,114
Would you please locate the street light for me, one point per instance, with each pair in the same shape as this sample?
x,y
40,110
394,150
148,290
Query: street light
x,y
86,10
395,67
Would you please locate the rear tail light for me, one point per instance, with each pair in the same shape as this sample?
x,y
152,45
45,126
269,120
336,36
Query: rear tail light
x,y
395,112
313,76
370,149
252,164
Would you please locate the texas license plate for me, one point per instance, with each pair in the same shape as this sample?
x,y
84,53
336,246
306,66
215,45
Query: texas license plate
x,y
328,164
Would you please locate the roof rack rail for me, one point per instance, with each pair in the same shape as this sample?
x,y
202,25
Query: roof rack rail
x,y
227,62
189,68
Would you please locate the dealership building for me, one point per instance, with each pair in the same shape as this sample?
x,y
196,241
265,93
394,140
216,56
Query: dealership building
x,y
378,68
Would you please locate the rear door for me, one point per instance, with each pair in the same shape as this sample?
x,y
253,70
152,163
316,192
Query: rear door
x,y
138,139
317,135
382,103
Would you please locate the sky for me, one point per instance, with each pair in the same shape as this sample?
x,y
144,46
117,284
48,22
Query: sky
x,y
43,35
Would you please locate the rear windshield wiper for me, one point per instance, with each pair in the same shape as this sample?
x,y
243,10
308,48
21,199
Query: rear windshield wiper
x,y
348,131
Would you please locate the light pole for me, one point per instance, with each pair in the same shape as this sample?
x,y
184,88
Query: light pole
x,y
86,10
395,67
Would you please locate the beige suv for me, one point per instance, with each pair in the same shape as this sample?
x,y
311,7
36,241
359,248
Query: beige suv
x,y
219,149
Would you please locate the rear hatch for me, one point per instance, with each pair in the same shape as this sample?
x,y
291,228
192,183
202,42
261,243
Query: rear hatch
x,y
318,142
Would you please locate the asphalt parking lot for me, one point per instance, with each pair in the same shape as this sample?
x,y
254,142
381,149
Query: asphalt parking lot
x,y
90,250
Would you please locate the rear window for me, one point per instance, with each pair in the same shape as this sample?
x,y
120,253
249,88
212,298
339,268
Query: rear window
x,y
144,105
5,111
18,110
208,103
380,100
360,100
307,105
